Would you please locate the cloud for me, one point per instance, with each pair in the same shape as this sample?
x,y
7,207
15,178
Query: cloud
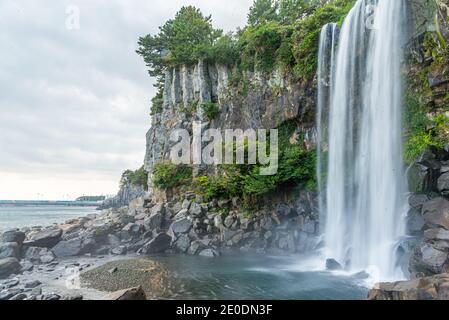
x,y
74,104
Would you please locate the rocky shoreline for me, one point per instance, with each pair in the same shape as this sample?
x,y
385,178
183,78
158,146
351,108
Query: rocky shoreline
x,y
186,226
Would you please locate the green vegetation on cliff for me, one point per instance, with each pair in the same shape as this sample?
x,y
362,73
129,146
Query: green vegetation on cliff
x,y
136,178
426,116
280,34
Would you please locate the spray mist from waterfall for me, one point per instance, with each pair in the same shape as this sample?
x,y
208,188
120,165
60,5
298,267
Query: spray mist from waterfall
x,y
364,196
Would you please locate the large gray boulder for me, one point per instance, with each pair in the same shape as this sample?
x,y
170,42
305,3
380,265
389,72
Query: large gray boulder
x,y
443,184
181,226
39,255
8,266
436,213
46,238
16,236
159,244
195,209
154,221
183,243
9,250
428,260
69,248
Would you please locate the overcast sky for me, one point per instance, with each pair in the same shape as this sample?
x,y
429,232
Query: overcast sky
x,y
74,103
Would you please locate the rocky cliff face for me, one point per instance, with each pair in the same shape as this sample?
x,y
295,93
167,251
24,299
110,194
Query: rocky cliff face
x,y
127,193
257,101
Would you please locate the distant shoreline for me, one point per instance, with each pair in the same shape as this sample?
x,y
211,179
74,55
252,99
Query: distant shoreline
x,y
50,203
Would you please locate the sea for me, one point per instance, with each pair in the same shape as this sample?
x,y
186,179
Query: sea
x,y
21,215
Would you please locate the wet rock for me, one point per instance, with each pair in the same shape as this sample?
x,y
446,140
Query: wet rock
x,y
427,259
183,243
436,234
196,247
9,250
415,222
32,284
333,265
51,297
436,213
9,266
159,244
8,294
119,251
19,297
430,288
39,255
14,236
416,201
47,238
127,294
209,253
181,226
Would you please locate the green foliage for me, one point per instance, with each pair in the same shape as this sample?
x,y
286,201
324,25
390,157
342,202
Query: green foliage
x,y
262,11
167,175
306,36
136,178
210,110
426,120
180,40
296,166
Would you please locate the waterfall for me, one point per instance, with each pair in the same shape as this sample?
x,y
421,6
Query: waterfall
x,y
326,68
365,190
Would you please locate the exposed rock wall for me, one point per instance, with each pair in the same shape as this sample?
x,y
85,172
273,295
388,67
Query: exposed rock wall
x,y
127,193
256,101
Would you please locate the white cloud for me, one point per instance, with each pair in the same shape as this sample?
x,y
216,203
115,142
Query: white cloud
x,y
74,104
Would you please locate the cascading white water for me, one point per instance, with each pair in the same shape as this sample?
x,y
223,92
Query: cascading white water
x,y
365,188
326,68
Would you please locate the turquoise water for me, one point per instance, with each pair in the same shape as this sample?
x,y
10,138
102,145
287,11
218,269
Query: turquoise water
x,y
29,216
258,277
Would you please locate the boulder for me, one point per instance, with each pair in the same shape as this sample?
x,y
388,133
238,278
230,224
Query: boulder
x,y
443,184
427,259
127,294
429,288
70,248
436,213
39,255
436,234
183,243
9,250
195,209
415,222
154,221
196,247
131,231
32,284
416,201
9,266
14,236
159,244
333,265
181,226
186,204
46,238
209,253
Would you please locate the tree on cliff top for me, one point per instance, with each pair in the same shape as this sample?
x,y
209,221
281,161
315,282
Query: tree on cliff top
x,y
282,11
180,41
